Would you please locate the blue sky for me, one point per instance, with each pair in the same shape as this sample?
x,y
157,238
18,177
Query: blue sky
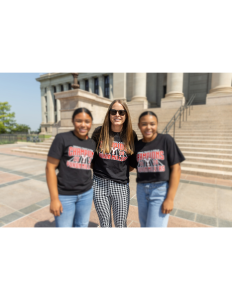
x,y
22,92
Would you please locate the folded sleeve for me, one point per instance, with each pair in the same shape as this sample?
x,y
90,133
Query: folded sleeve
x,y
174,155
57,147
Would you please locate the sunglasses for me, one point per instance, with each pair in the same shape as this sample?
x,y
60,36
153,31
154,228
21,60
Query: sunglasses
x,y
121,112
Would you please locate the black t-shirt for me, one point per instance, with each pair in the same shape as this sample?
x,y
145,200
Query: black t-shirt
x,y
75,157
153,159
115,165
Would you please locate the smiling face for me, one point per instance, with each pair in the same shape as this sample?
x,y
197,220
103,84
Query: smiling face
x,y
82,123
117,120
148,127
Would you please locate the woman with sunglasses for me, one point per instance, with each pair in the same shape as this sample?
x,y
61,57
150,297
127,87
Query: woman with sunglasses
x,y
114,145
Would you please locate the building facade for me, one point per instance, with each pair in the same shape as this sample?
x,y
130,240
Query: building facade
x,y
158,89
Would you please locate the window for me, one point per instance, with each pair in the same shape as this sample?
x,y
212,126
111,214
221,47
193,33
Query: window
x,y
46,118
69,86
86,85
55,101
164,90
46,104
45,90
96,86
61,88
106,86
55,118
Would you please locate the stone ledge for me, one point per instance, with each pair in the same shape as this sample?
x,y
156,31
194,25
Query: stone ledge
x,y
219,99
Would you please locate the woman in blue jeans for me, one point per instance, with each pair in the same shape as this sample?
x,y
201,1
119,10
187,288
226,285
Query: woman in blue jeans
x,y
157,159
71,190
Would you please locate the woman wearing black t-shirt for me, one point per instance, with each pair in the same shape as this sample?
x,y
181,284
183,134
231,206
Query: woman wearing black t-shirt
x,y
114,144
157,159
71,190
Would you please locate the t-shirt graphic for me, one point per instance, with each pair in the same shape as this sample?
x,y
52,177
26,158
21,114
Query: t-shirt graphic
x,y
81,158
118,152
150,161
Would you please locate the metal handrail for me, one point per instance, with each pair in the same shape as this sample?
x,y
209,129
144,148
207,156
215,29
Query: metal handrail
x,y
178,114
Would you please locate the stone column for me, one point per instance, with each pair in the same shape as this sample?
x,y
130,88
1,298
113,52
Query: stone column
x,y
174,97
50,105
221,82
111,86
82,84
58,89
66,86
43,111
152,89
91,85
101,86
119,86
139,86
221,90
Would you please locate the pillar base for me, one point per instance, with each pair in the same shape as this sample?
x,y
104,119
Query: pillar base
x,y
138,103
218,97
73,99
172,102
221,89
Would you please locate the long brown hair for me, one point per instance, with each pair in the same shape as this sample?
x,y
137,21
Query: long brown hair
x,y
106,137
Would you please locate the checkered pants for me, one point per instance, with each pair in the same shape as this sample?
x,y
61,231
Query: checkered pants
x,y
107,194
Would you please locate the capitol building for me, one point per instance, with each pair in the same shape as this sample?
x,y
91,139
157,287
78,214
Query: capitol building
x,y
165,90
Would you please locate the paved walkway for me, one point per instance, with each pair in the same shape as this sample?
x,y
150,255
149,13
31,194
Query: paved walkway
x,y
24,201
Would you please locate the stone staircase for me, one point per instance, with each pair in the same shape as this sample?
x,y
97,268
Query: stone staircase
x,y
205,140
36,148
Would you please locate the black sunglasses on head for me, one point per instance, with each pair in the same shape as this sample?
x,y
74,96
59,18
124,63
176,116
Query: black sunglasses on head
x,y
121,112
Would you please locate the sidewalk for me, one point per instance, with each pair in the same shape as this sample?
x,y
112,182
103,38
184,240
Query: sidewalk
x,y
24,202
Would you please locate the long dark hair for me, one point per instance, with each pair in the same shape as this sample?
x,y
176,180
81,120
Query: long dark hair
x,y
80,110
106,137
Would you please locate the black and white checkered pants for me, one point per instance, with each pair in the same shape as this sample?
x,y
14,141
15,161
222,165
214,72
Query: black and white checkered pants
x,y
107,194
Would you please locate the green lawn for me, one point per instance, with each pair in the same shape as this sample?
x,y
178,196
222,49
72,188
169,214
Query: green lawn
x,y
7,142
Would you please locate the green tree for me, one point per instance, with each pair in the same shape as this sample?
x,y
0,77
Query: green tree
x,y
2,128
20,128
7,121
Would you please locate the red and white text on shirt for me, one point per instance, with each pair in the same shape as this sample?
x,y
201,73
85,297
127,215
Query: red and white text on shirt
x,y
150,154
76,151
149,161
81,158
118,152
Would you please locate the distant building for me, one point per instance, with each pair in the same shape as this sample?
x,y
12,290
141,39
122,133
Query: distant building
x,y
160,89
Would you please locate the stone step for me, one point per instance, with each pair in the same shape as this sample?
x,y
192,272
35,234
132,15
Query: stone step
x,y
210,166
22,150
199,138
39,146
217,146
204,128
206,140
204,154
206,172
212,133
206,149
218,160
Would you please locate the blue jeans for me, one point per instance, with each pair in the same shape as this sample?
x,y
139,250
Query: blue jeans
x,y
150,197
76,210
